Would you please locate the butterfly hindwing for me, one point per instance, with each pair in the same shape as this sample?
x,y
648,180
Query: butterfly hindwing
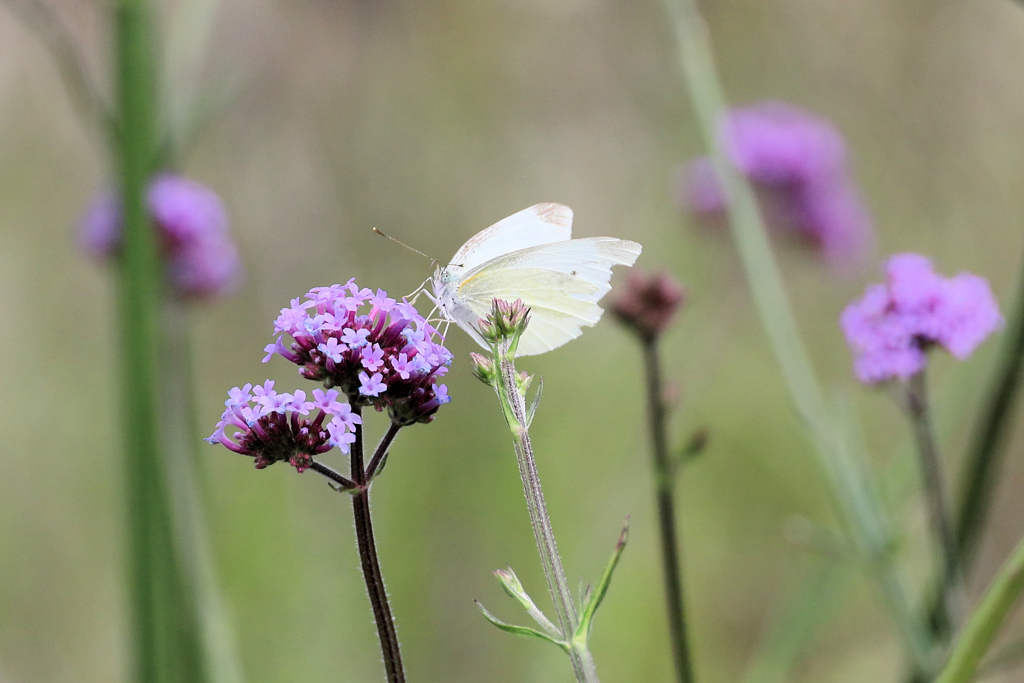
x,y
537,225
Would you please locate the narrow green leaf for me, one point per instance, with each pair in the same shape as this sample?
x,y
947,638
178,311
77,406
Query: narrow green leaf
x,y
521,630
535,402
510,582
595,597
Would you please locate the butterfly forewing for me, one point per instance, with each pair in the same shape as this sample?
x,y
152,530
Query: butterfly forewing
x,y
537,225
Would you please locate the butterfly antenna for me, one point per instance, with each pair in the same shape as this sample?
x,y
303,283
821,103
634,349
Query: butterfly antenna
x,y
400,242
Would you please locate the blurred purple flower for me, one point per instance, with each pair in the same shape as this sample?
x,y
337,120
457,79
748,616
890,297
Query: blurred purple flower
x,y
798,165
893,325
202,260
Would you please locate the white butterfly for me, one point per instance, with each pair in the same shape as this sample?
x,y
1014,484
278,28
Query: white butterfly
x,y
531,256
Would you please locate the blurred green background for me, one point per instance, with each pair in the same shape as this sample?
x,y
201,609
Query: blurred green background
x,y
431,120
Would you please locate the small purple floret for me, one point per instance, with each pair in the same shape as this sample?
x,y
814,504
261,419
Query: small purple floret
x,y
893,325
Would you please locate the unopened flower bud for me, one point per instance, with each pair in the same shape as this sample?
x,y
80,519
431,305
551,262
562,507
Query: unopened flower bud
x,y
504,321
523,381
483,368
648,302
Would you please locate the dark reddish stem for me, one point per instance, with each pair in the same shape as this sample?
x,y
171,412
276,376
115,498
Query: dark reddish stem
x,y
337,477
381,453
663,477
368,555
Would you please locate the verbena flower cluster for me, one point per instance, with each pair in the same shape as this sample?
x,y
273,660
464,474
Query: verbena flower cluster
x,y
385,356
797,162
201,258
893,325
271,428
364,345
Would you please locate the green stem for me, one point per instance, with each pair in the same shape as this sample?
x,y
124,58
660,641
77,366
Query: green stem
x,y
664,480
514,406
154,596
842,461
980,630
982,463
209,630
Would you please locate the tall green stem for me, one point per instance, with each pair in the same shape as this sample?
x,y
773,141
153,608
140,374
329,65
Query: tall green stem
x,y
514,406
840,459
983,458
150,553
664,480
210,627
982,627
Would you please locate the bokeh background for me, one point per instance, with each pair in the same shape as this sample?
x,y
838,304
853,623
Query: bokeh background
x,y
431,120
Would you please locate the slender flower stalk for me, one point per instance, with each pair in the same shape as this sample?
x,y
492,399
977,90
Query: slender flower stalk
x,y
503,330
368,555
664,481
950,600
983,625
218,653
646,306
514,407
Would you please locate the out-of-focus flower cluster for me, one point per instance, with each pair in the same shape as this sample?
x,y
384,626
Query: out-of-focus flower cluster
x,y
797,162
385,356
892,326
647,303
270,426
202,260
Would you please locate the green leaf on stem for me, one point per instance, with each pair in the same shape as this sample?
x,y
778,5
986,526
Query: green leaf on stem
x,y
522,630
535,402
597,595
510,582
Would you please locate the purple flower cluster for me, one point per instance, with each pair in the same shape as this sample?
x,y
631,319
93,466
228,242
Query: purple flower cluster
x,y
895,323
797,162
385,357
202,260
271,428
